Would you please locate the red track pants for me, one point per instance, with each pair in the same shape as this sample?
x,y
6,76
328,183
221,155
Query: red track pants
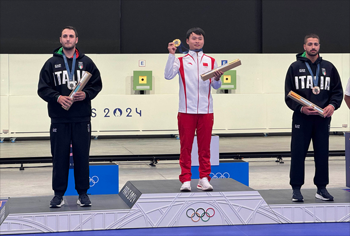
x,y
188,124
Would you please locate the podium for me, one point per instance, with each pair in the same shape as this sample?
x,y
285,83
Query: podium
x,y
159,203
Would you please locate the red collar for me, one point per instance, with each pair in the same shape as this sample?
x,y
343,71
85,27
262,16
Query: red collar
x,y
76,53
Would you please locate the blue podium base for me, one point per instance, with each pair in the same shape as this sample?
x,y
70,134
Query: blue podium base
x,y
237,170
104,179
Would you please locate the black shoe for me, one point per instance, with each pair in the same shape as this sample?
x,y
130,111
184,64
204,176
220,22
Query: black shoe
x,y
56,202
84,200
297,197
324,195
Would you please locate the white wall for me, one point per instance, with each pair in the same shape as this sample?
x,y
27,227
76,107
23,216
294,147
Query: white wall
x,y
256,106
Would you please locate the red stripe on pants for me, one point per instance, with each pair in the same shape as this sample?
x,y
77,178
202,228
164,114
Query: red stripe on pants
x,y
188,124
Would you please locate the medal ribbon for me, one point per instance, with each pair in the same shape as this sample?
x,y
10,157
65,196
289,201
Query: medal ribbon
x,y
70,73
315,80
197,50
182,49
188,50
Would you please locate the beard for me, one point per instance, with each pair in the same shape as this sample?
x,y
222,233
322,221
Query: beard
x,y
68,48
312,53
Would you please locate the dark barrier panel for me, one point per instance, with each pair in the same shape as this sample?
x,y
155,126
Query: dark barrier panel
x,y
285,23
230,26
146,26
34,26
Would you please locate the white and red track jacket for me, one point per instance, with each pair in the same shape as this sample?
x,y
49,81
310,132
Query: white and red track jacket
x,y
195,94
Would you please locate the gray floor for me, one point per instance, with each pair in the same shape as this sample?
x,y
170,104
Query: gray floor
x,y
264,173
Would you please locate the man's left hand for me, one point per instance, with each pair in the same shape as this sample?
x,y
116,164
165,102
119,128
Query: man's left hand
x,y
328,111
217,75
79,96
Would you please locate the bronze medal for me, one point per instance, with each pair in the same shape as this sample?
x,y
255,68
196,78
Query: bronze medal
x,y
316,90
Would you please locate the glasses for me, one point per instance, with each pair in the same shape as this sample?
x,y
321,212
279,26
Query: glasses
x,y
310,44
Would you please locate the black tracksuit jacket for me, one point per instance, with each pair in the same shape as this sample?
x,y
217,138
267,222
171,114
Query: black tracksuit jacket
x,y
298,79
54,81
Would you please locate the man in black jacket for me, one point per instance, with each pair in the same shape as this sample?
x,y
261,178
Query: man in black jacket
x,y
318,81
70,117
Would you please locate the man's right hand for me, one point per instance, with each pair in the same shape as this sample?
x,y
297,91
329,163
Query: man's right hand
x,y
65,101
309,111
171,48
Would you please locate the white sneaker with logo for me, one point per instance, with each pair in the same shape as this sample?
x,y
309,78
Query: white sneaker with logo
x,y
186,187
204,184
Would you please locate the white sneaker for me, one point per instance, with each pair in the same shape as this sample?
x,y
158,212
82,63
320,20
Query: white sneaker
x,y
186,187
204,184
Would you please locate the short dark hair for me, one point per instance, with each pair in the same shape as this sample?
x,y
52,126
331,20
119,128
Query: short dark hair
x,y
311,36
71,28
195,30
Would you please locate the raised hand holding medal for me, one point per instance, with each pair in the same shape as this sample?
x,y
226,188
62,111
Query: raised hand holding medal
x,y
171,48
176,44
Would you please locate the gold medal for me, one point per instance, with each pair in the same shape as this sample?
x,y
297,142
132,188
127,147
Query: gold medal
x,y
316,90
177,42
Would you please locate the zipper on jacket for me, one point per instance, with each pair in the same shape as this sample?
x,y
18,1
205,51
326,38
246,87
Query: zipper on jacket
x,y
198,83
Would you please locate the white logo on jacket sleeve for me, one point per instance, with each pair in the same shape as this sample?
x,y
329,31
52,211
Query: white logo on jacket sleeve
x,y
301,70
58,66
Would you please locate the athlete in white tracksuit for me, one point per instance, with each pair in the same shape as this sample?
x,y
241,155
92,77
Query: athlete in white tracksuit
x,y
195,94
195,105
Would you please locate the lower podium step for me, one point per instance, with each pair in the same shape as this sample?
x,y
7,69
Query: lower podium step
x,y
159,203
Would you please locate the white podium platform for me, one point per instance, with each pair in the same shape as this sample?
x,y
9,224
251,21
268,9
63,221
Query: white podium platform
x,y
159,203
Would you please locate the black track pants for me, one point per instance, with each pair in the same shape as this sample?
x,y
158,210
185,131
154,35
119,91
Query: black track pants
x,y
305,128
61,136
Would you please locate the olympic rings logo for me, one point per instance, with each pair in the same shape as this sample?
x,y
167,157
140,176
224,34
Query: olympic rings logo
x,y
200,214
220,175
94,180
